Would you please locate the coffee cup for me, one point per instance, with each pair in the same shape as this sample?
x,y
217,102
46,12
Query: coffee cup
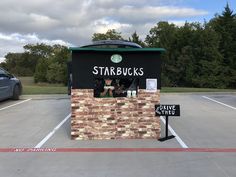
x,y
129,93
134,93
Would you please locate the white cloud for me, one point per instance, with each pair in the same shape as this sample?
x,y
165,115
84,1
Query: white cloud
x,y
2,59
30,38
102,25
150,14
5,37
42,21
15,42
74,21
178,23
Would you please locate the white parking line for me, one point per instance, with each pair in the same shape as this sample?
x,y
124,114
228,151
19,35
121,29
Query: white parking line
x,y
44,140
219,102
175,134
15,104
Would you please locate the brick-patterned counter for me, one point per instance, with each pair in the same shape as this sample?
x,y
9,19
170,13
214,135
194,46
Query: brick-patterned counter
x,y
114,118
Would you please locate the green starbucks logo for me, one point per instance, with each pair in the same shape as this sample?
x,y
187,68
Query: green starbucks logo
x,y
116,58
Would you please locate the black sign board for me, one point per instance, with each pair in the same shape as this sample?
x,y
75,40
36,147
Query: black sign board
x,y
90,63
167,110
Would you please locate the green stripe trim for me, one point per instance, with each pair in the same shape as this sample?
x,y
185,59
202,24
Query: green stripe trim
x,y
118,49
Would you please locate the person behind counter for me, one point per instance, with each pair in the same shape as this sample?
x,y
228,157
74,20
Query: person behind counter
x,y
114,88
104,88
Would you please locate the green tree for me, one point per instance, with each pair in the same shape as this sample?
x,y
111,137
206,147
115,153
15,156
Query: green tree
x,y
41,71
135,38
39,50
56,73
3,65
192,56
18,64
34,52
37,60
58,61
208,58
225,26
49,57
11,62
111,34
164,35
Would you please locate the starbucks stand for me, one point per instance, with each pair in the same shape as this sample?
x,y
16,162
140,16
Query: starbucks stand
x,y
127,115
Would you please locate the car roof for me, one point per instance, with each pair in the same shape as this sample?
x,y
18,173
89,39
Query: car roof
x,y
118,43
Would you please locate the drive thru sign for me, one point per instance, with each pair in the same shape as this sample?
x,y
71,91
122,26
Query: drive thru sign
x,y
167,110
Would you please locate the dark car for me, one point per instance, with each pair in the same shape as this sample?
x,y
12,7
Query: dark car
x,y
101,44
10,86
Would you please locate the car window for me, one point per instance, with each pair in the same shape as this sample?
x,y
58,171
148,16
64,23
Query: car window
x,y
2,71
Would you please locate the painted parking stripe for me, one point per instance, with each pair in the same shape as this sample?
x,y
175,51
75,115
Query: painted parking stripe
x,y
113,150
180,141
219,102
15,104
44,140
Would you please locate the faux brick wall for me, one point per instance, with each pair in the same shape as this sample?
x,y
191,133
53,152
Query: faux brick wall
x,y
114,118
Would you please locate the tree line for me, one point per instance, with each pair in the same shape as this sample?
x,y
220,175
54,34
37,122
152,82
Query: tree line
x,y
44,62
197,55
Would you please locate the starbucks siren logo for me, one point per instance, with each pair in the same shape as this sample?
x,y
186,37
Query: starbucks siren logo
x,y
116,58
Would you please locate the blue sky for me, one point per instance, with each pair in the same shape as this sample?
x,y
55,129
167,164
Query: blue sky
x,y
211,6
72,22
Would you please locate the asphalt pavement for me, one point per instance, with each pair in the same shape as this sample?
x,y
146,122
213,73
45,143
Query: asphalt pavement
x,y
206,121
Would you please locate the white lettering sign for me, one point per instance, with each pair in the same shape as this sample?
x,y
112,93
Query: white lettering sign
x,y
117,71
167,110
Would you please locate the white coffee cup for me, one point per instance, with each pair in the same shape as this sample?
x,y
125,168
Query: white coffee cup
x,y
129,93
134,93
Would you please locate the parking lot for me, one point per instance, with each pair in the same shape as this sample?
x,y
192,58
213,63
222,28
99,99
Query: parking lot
x,y
207,121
